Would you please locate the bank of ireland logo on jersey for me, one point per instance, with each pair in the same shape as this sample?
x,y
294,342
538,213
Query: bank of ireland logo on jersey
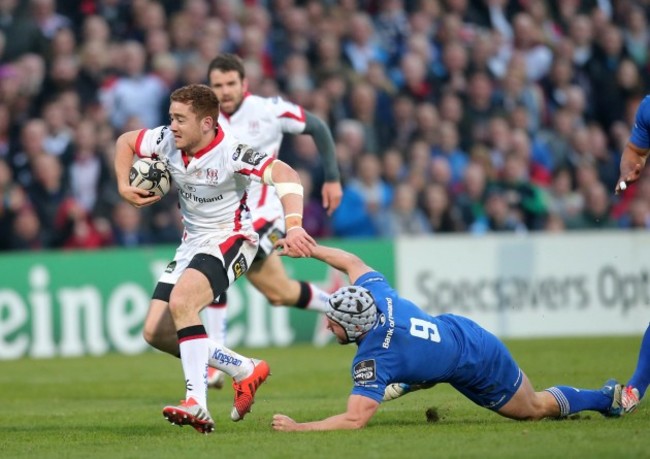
x,y
365,371
211,175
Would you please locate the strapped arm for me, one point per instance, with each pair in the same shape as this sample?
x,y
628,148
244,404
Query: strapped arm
x,y
287,184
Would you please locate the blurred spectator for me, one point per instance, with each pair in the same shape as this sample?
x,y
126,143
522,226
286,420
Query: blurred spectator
x,y
32,146
561,198
557,138
28,233
393,168
472,194
608,105
362,46
638,216
419,164
315,219
403,125
127,226
412,79
12,201
137,93
88,171
350,132
363,107
392,27
479,107
5,131
294,39
384,91
522,196
528,42
364,200
48,20
449,149
23,33
58,139
47,193
596,212
557,83
63,75
442,215
607,161
516,91
635,35
426,124
452,75
498,217
404,218
75,229
329,59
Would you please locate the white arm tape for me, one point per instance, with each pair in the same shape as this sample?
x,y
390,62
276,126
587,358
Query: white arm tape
x,y
284,188
267,178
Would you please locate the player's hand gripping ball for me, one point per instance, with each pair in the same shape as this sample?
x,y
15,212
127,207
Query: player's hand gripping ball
x,y
150,175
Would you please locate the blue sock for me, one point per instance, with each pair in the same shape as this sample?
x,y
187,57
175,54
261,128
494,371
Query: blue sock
x,y
641,377
572,400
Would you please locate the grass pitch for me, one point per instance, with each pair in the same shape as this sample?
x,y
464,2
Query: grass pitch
x,y
110,407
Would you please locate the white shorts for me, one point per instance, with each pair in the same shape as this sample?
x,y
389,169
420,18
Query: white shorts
x,y
235,252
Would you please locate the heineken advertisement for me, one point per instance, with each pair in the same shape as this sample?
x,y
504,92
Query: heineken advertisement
x,y
60,304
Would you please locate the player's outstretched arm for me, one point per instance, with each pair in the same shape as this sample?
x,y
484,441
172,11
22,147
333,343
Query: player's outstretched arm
x,y
360,410
124,152
632,162
331,190
339,259
287,184
344,261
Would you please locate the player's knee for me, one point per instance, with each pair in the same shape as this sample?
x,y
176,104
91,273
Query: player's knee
x,y
152,336
176,304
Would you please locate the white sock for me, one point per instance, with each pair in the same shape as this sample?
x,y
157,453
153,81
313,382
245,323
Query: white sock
x,y
228,361
194,357
215,322
319,299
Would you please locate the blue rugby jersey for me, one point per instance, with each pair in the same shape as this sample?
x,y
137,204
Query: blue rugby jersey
x,y
410,346
640,135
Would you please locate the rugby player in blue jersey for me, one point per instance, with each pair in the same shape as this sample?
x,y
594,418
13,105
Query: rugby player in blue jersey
x,y
633,161
400,343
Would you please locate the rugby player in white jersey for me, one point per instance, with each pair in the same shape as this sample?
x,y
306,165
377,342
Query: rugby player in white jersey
x,y
261,123
212,170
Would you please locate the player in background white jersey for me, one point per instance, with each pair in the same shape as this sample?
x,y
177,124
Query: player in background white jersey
x,y
261,123
212,170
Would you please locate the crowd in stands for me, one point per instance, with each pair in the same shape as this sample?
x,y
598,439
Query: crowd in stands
x,y
470,116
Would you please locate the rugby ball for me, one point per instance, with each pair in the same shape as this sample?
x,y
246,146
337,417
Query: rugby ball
x,y
150,175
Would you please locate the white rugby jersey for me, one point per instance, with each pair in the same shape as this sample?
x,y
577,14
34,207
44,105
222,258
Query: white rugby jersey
x,y
261,123
212,185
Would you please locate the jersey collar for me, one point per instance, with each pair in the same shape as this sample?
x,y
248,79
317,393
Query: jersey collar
x,y
216,141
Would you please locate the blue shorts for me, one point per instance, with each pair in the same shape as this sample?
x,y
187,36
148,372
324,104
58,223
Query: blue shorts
x,y
487,374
